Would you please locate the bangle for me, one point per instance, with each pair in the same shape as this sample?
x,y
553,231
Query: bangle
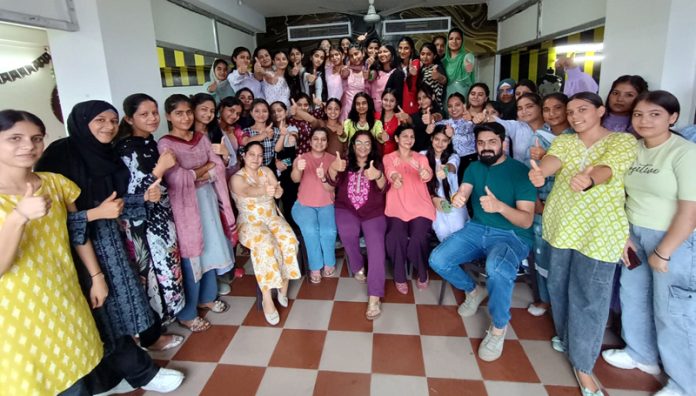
x,y
660,256
21,214
591,185
98,273
323,180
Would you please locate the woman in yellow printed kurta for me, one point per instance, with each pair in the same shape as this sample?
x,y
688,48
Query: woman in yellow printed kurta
x,y
48,337
272,242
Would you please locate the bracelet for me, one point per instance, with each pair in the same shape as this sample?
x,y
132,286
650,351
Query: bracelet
x,y
660,256
323,180
98,273
591,185
21,214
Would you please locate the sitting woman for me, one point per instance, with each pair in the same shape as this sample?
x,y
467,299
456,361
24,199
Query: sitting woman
x,y
314,210
263,230
360,186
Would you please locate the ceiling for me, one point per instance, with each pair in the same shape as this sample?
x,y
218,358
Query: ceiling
x,y
273,8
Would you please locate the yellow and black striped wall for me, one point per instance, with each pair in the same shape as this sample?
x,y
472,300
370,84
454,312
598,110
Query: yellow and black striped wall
x,y
531,62
183,68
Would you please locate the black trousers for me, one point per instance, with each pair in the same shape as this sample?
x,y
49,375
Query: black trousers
x,y
127,361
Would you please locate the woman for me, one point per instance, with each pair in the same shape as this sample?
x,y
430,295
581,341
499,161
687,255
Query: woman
x,y
230,111
343,46
243,74
332,70
431,73
275,82
151,243
87,158
521,132
555,124
524,86
202,213
585,224
428,113
354,77
477,98
657,323
506,99
304,119
218,86
409,210
391,117
332,123
442,158
362,118
459,64
360,185
268,236
313,79
386,73
410,67
286,151
461,130
622,95
204,119
263,64
262,131
37,204
314,210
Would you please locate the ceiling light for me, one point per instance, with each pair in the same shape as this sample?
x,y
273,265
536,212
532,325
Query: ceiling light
x,y
590,47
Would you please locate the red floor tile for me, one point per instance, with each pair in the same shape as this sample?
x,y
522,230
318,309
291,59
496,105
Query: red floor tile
x,y
244,286
557,390
528,327
255,316
391,295
615,378
331,383
230,379
440,320
397,354
326,290
299,349
207,346
455,387
513,365
349,316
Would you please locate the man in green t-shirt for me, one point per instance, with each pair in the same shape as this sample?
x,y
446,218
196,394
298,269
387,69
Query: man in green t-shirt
x,y
503,200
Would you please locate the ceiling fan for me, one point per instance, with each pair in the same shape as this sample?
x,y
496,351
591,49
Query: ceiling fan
x,y
372,16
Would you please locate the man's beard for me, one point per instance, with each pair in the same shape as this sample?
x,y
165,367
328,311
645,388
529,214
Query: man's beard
x,y
490,157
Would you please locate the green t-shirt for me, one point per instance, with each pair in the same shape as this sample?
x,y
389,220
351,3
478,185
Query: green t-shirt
x,y
659,178
593,222
509,182
350,128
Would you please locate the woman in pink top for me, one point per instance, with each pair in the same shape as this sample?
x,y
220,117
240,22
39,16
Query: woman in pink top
x,y
314,209
354,77
332,70
386,73
409,209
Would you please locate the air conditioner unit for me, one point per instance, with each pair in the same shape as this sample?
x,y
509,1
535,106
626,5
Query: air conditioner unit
x,y
394,27
318,32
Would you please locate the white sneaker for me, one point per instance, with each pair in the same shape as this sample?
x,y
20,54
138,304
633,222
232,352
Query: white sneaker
x,y
668,392
122,387
536,310
165,381
621,359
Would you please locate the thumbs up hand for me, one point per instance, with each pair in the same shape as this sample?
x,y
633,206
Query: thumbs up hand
x,y
31,207
536,175
397,180
339,165
111,207
271,187
321,173
490,203
373,173
537,152
440,173
426,117
458,200
582,181
154,192
412,69
311,78
300,164
401,116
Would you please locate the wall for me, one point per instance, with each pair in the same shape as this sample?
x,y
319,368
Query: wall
x,y
20,46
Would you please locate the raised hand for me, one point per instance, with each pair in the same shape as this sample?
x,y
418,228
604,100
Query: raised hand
x,y
537,152
424,173
458,200
311,78
321,173
271,187
536,175
401,115
111,207
269,132
212,87
242,67
412,69
345,72
258,69
317,101
373,173
479,118
166,160
441,172
582,180
283,127
449,131
397,180
436,74
300,164
338,164
426,117
490,203
32,207
293,108
153,192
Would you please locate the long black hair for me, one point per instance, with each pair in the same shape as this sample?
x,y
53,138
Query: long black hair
x,y
355,117
433,184
130,106
9,117
352,164
321,71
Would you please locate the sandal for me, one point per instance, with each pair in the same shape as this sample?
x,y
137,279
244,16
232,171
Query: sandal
x,y
401,287
315,276
373,310
422,285
218,306
360,276
329,272
196,325
174,342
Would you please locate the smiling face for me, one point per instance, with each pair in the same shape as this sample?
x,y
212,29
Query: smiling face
x,y
279,113
296,56
204,112
221,71
247,98
362,147
489,147
372,48
455,108
302,104
104,126
335,57
333,110
440,46
454,41
356,56
253,157
405,51
521,90
583,115
621,98
318,59
440,142
424,100
426,56
260,113
554,112
406,139
651,120
361,105
146,118
264,58
280,61
230,115
528,111
243,59
181,117
318,141
384,56
477,97
388,102
21,146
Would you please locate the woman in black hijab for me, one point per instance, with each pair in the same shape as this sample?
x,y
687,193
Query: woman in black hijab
x,y
87,158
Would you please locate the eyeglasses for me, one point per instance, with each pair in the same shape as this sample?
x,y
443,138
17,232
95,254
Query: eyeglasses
x,y
508,91
363,143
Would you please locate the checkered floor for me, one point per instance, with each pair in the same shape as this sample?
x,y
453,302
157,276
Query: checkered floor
x,y
325,346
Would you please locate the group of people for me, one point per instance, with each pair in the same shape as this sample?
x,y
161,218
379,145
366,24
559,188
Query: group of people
x,y
384,150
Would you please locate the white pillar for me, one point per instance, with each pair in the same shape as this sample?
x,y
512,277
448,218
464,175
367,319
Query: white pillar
x,y
656,41
112,55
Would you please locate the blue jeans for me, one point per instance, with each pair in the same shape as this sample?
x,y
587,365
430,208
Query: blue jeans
x,y
580,289
503,251
318,227
541,260
201,292
658,309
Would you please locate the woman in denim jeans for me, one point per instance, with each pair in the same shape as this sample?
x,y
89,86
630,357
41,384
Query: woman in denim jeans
x,y
585,223
658,298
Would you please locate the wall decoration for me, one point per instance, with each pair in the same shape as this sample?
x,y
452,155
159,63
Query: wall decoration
x,y
179,68
27,70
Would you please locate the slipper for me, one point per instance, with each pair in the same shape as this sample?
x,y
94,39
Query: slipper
x,y
329,272
315,276
360,276
175,341
373,310
197,325
218,306
585,391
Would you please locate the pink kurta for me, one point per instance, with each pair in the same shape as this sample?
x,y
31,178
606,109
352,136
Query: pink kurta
x,y
377,88
352,85
412,199
334,83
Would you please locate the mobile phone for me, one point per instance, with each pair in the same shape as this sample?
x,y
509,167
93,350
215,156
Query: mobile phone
x,y
633,260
